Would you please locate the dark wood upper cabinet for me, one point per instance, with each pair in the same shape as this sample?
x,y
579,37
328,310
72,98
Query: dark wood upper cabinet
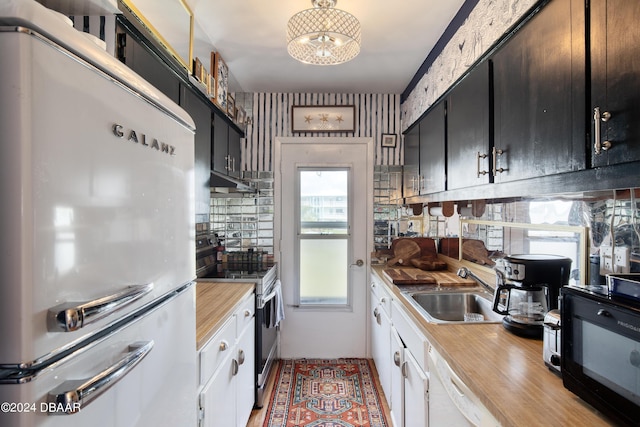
x,y
424,154
141,59
220,154
615,81
539,96
226,148
411,170
234,152
468,129
432,150
200,112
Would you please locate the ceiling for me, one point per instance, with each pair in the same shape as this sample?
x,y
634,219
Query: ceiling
x,y
251,37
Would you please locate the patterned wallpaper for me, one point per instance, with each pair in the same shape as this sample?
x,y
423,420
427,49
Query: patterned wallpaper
x,y
375,114
486,23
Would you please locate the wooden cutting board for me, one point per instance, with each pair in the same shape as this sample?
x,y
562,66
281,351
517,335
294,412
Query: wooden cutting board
x,y
476,251
403,251
429,263
415,276
399,276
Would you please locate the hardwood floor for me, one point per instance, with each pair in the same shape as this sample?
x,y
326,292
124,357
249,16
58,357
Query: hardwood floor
x,y
258,415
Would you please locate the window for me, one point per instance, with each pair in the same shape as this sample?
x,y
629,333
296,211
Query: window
x,y
323,236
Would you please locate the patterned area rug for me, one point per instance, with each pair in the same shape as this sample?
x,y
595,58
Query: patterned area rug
x,y
325,393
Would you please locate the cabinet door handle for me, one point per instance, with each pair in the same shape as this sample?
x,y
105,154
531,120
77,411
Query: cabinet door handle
x,y
599,146
497,152
241,357
224,345
478,157
396,358
234,367
403,370
376,314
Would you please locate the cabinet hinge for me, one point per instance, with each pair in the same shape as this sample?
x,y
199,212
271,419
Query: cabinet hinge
x,y
200,412
121,44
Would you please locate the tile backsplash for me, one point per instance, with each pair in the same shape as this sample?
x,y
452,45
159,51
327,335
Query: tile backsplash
x,y
245,220
609,218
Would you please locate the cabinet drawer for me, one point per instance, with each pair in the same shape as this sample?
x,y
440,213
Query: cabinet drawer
x,y
217,349
411,335
245,314
382,295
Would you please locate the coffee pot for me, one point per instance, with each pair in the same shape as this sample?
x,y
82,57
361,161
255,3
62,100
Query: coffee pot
x,y
527,287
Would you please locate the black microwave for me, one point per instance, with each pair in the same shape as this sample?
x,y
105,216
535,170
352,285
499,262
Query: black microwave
x,y
600,351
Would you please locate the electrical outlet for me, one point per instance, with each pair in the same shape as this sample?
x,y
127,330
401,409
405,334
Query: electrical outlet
x,y
621,262
616,261
606,260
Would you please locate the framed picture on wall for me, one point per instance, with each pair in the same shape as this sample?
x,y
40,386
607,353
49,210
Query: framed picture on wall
x,y
330,118
221,73
241,116
389,139
231,107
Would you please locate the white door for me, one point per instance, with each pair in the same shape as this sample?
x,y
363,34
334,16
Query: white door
x,y
324,199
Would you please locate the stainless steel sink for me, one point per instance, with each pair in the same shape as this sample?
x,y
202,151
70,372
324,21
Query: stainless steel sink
x,y
451,306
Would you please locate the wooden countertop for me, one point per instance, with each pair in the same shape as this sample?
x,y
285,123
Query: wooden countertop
x,y
505,371
215,302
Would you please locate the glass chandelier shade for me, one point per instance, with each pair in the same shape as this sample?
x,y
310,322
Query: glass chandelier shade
x,y
323,35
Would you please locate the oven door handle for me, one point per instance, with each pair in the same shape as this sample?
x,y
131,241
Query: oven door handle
x,y
264,300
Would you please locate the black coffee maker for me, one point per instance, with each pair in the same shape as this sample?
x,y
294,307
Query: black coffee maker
x,y
527,287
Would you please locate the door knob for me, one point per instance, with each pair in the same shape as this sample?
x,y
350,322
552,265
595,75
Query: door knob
x,y
358,263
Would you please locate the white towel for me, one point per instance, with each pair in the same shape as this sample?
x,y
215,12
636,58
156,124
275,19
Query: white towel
x,y
276,307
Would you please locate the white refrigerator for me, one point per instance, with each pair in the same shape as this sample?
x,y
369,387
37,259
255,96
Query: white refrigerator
x,y
97,253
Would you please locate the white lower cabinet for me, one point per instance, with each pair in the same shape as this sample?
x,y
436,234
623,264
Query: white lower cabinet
x,y
396,404
421,388
410,392
380,324
416,394
246,385
227,371
218,399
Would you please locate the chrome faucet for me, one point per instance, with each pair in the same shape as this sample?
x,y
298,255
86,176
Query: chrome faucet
x,y
465,272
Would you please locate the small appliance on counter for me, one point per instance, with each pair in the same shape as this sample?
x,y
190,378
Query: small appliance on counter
x,y
533,288
601,351
552,341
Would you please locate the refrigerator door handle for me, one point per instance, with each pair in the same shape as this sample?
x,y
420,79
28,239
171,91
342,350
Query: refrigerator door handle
x,y
73,395
71,316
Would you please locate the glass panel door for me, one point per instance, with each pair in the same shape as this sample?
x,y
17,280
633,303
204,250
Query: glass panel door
x,y
323,236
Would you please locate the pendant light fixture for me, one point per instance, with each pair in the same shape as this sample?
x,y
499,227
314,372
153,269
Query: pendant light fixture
x,y
323,35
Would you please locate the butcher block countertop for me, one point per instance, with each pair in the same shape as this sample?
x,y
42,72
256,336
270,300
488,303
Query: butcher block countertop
x,y
215,302
506,372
